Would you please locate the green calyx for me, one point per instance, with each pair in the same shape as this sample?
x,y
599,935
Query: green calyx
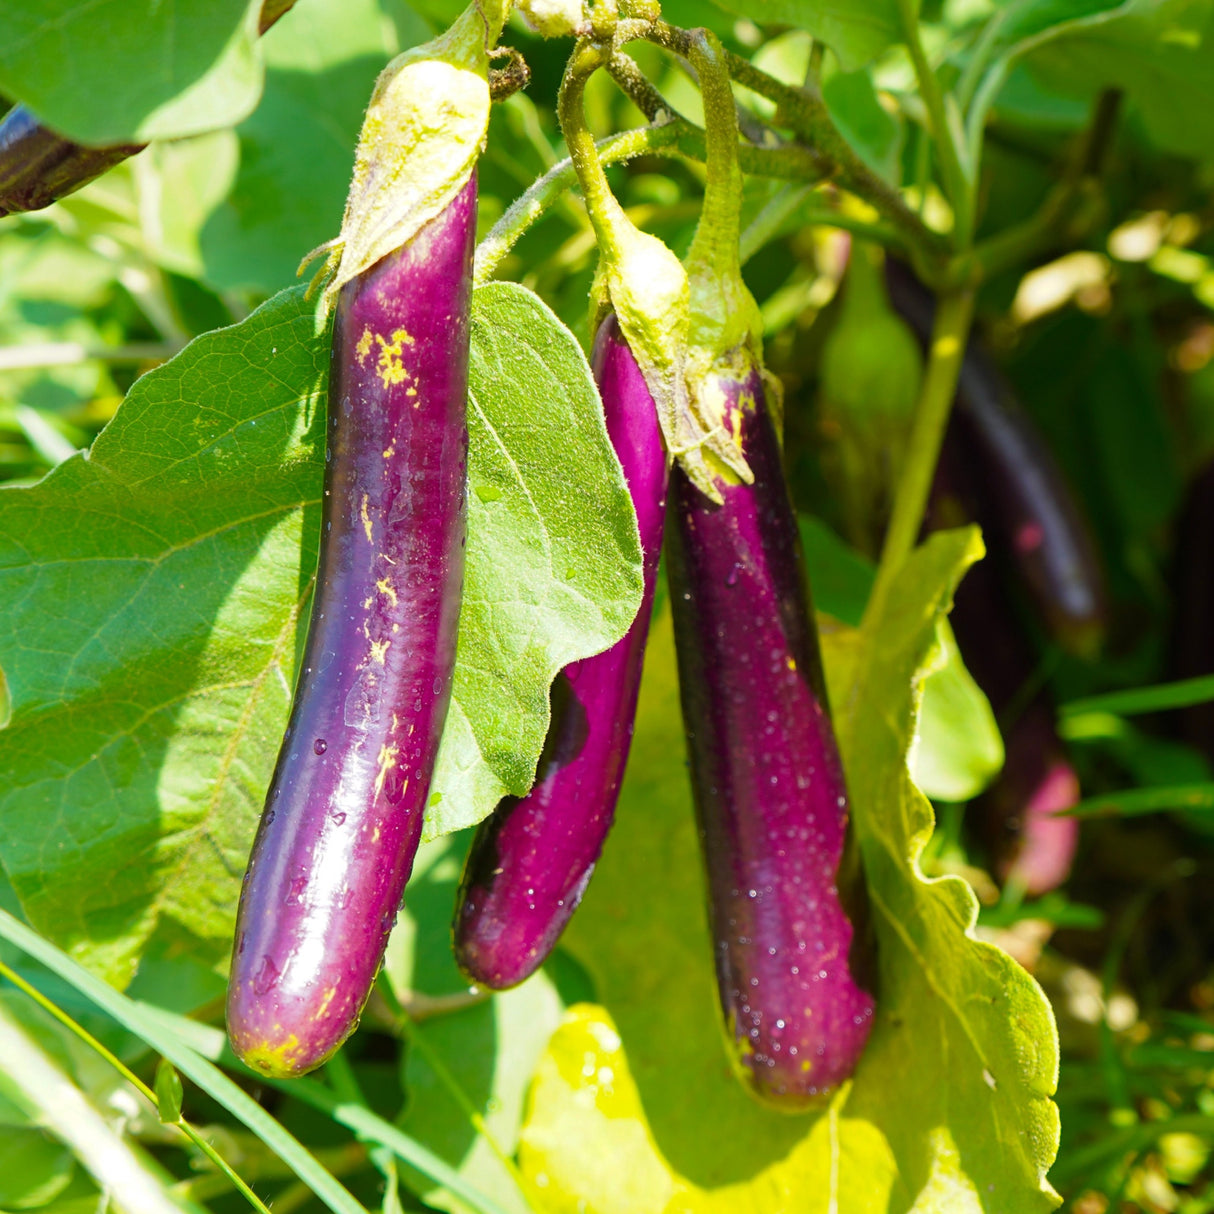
x,y
424,129
638,277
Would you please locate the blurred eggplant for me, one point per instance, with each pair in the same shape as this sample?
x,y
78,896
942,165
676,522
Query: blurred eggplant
x,y
1030,513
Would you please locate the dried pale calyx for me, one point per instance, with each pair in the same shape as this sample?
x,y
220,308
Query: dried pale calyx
x,y
553,18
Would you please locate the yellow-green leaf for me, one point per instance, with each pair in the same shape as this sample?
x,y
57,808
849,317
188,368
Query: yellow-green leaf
x,y
634,1108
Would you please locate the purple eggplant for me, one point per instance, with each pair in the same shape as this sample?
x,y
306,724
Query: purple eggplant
x,y
1032,514
39,166
1191,638
343,816
768,785
532,859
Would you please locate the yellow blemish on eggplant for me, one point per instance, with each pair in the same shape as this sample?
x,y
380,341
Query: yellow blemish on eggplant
x,y
386,588
395,627
368,601
389,452
324,1003
792,663
364,344
366,517
387,761
379,651
391,366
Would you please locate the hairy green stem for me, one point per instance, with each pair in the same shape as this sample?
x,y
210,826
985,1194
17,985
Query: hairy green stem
x,y
677,138
803,111
714,249
957,182
954,312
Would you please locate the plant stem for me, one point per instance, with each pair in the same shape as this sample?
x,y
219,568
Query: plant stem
x,y
949,334
803,111
677,138
49,1094
1026,240
948,141
84,1035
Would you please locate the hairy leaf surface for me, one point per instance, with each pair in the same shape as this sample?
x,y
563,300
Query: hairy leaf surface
x,y
155,591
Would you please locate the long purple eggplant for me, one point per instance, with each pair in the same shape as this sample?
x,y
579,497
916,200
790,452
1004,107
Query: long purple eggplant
x,y
344,811
532,859
768,785
38,166
1033,514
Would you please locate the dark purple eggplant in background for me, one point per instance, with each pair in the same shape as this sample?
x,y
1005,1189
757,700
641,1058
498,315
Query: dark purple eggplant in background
x,y
768,785
39,166
1192,632
1030,512
343,816
1029,844
532,859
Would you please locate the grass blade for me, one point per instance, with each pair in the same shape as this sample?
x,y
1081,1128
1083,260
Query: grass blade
x,y
207,1076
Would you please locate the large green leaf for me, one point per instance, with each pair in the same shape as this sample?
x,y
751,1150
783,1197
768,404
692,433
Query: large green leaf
x,y
856,30
297,148
153,593
113,71
634,1108
1160,52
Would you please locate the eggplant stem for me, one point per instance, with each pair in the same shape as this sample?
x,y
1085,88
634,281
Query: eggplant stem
x,y
949,335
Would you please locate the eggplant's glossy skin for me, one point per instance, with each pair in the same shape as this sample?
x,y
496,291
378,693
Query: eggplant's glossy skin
x,y
532,859
1033,515
769,788
38,167
344,812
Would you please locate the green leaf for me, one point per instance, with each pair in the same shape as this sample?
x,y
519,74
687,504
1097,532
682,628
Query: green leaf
x,y
154,591
34,1168
155,1028
297,148
863,121
114,72
1160,52
856,30
959,749
1131,802
553,550
634,1108
168,1091
1135,700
